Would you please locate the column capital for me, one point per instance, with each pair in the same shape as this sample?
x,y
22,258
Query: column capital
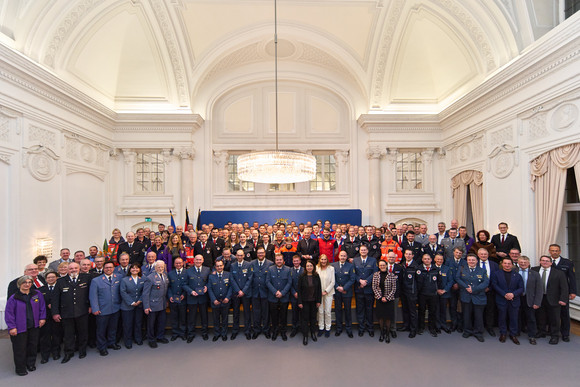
x,y
220,157
129,155
427,155
341,156
376,152
185,153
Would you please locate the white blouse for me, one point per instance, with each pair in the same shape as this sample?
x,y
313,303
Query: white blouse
x,y
327,279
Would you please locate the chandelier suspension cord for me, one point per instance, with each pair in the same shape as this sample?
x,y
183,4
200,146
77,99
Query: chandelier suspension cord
x,y
276,66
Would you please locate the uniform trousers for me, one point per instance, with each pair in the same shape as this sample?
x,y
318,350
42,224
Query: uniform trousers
x,y
308,317
156,325
342,305
279,316
473,318
409,306
92,339
428,302
456,317
75,328
324,313
220,318
178,313
295,313
24,347
503,313
442,311
106,330
193,311
565,320
548,314
527,318
260,314
489,311
364,311
50,338
133,325
236,303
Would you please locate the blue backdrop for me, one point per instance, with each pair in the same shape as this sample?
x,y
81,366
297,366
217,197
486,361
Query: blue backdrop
x,y
219,218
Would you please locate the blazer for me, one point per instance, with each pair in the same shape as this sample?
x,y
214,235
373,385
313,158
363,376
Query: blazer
x,y
448,247
48,295
71,300
295,276
218,245
567,266
270,251
208,253
155,292
427,249
303,288
390,286
219,288
364,272
278,279
422,239
327,280
501,288
176,287
241,278
478,280
493,267
417,249
511,241
557,288
105,296
259,287
344,277
533,289
447,275
308,247
131,292
136,251
196,282
120,272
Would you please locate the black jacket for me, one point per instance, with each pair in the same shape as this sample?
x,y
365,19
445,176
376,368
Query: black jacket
x,y
302,288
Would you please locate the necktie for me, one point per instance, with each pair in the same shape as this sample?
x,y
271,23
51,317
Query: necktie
x,y
203,246
452,242
502,239
50,288
220,276
390,268
484,265
178,272
261,264
110,279
525,278
130,245
240,265
150,267
74,280
341,265
125,270
198,270
427,268
471,270
37,283
364,262
544,276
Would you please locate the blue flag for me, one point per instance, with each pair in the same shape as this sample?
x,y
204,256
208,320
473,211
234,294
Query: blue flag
x,y
172,220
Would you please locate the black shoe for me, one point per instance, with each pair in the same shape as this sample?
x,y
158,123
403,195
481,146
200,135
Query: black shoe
x,y
532,341
412,334
466,335
313,336
553,341
393,333
274,336
382,337
491,332
225,338
153,344
66,358
433,333
515,340
320,332
21,373
190,339
293,333
173,338
540,335
43,361
255,336
387,338
128,346
267,335
349,334
403,329
438,331
480,338
459,329
446,330
420,331
566,339
337,333
215,338
82,355
56,356
140,342
305,340
502,338
205,337
162,341
361,333
116,347
31,368
233,337
283,336
248,336
372,333
103,352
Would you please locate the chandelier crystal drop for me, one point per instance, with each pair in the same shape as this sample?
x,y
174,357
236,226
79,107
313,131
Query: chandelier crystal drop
x,y
276,167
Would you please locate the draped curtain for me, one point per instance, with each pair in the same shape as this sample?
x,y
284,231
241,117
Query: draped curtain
x,y
459,183
549,182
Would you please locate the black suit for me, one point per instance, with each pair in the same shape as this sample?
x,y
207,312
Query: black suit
x,y
270,251
428,250
510,242
71,302
308,247
417,250
400,239
208,252
13,287
567,266
218,245
549,312
136,252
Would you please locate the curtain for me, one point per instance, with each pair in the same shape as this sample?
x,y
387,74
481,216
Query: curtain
x,y
459,183
548,174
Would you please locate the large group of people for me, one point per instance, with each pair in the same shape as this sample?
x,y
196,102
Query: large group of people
x,y
444,281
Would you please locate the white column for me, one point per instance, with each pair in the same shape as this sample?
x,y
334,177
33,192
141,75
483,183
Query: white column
x,y
374,154
342,183
129,156
186,155
427,159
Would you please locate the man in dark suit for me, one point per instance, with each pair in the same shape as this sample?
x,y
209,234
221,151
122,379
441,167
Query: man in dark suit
x,y
351,244
555,291
51,332
297,271
344,277
206,250
308,248
216,242
504,242
268,247
566,266
416,247
70,305
197,299
400,238
489,311
531,298
364,267
30,270
136,250
176,294
508,286
432,248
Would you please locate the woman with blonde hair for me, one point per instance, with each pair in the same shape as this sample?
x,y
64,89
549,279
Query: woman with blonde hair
x,y
326,273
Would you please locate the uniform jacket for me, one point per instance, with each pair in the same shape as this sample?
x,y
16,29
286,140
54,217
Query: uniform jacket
x,y
249,251
136,251
432,250
449,245
71,300
196,282
409,279
326,247
351,246
241,278
176,287
279,279
208,253
510,242
105,296
259,287
428,281
155,292
219,288
391,246
131,292
478,281
364,272
120,272
417,249
344,277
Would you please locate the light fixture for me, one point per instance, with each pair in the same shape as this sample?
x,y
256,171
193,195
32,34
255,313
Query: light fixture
x,y
44,247
276,167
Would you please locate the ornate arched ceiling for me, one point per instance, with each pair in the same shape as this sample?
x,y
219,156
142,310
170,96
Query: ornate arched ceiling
x,y
171,55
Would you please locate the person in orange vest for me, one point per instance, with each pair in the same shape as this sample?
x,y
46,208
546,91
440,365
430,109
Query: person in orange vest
x,y
389,245
288,251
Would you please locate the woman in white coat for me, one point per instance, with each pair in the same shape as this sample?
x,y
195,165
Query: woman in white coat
x,y
326,273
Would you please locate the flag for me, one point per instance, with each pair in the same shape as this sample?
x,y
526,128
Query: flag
x,y
198,225
186,219
172,220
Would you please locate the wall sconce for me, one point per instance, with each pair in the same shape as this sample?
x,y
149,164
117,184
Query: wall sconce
x,y
44,247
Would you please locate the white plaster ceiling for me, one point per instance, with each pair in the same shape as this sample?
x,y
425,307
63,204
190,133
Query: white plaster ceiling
x,y
172,55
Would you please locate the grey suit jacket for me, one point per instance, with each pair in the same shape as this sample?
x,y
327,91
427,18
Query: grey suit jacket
x,y
448,247
534,289
54,264
423,240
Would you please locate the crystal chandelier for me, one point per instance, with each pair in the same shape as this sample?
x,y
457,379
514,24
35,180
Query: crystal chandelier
x,y
276,167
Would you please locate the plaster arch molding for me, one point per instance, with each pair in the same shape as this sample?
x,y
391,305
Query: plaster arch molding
x,y
502,161
42,163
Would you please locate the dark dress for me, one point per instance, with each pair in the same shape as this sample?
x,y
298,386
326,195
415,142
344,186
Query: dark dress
x,y
384,285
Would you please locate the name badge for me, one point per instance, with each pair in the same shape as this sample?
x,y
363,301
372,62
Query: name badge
x,y
346,272
64,290
443,274
226,280
479,276
244,271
